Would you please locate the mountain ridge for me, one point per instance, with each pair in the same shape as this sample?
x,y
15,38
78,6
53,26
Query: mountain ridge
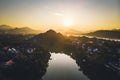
x,y
115,33
5,29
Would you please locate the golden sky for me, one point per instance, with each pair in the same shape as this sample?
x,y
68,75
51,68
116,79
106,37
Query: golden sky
x,y
83,15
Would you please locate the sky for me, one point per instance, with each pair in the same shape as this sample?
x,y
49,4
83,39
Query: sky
x,y
83,15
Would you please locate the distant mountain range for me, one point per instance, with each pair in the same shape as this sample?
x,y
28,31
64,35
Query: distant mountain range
x,y
5,29
106,33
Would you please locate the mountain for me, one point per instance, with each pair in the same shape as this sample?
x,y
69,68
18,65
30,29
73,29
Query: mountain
x,y
48,39
5,29
24,30
106,33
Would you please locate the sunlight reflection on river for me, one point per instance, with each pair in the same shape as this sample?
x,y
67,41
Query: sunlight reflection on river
x,y
63,67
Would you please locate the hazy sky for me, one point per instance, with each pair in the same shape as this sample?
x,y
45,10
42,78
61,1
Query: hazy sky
x,y
83,15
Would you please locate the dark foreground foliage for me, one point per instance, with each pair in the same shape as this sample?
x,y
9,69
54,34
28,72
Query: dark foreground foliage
x,y
26,66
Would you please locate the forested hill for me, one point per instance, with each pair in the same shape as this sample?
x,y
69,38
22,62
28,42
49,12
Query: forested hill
x,y
106,33
48,38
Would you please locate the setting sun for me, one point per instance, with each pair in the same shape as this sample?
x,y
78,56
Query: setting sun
x,y
67,22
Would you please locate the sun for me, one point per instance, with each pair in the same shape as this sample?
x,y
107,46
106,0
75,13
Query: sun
x,y
67,22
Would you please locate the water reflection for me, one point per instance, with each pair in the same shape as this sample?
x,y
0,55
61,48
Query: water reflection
x,y
63,67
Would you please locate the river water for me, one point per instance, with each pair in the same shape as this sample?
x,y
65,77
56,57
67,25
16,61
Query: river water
x,y
110,39
63,67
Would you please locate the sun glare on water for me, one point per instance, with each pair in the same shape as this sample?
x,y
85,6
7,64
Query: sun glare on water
x,y
67,22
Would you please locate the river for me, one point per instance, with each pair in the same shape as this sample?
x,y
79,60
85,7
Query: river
x,y
111,39
63,67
